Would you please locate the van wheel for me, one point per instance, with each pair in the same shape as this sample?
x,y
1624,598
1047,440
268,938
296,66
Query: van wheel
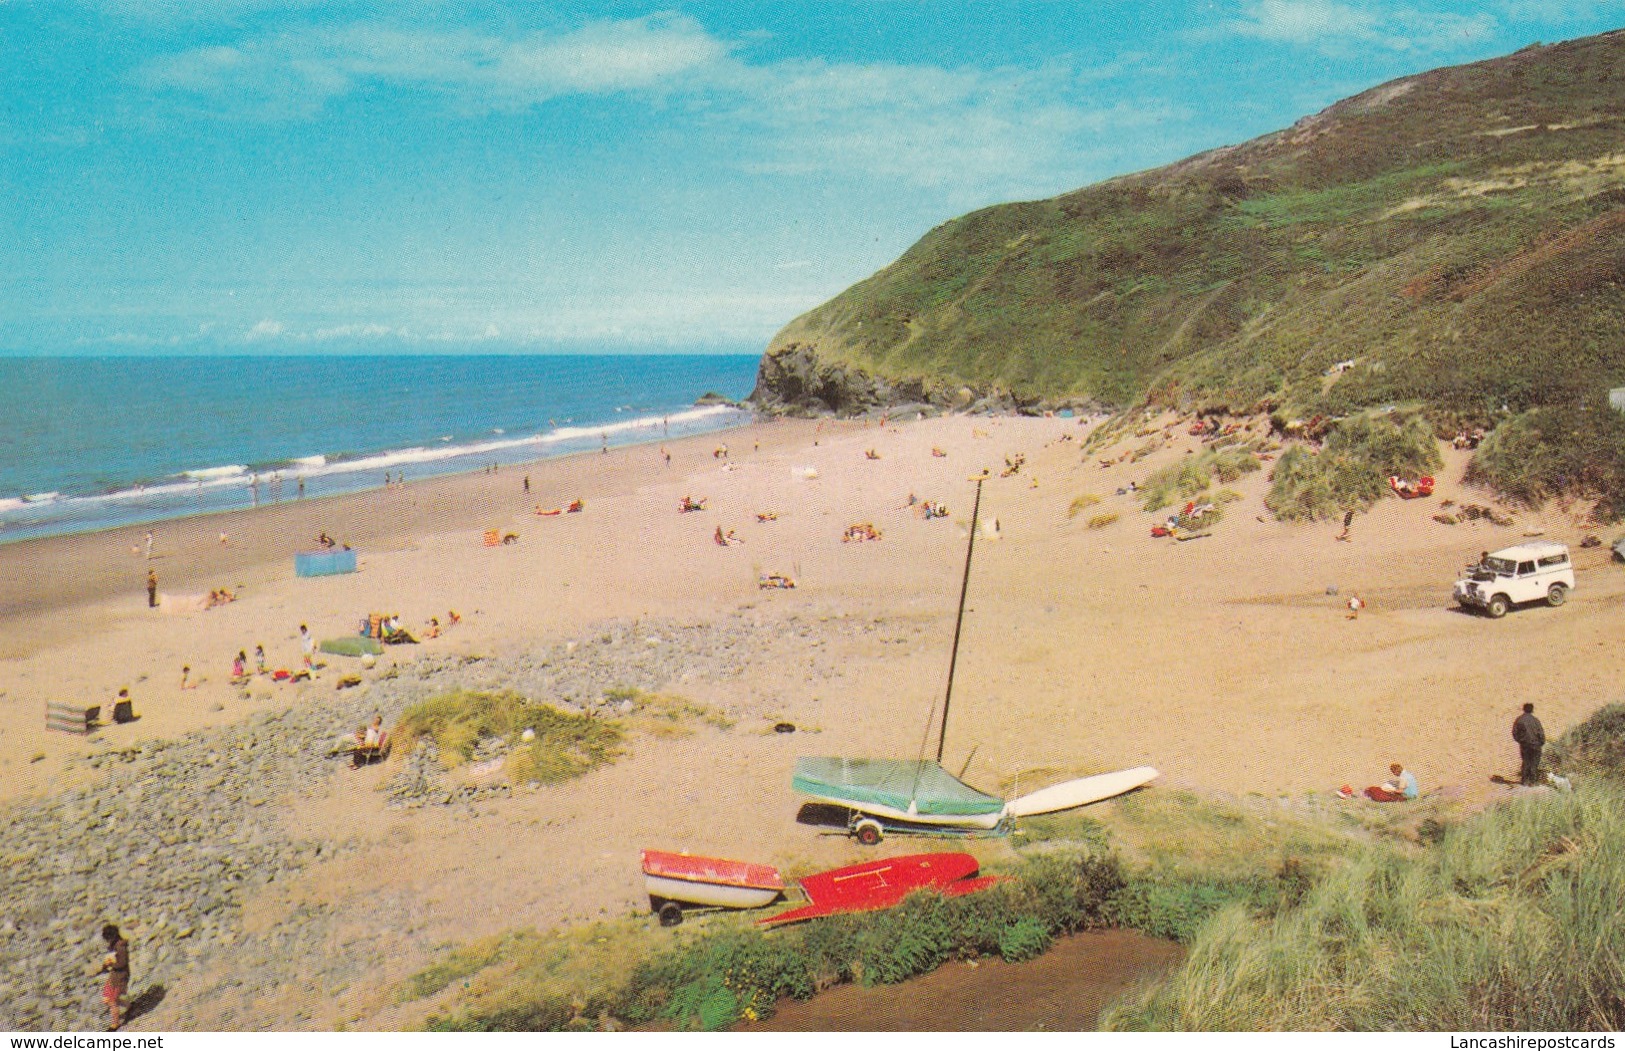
x,y
1556,595
868,833
1498,606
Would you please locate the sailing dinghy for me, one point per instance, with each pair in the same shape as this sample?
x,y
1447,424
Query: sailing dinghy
x,y
919,796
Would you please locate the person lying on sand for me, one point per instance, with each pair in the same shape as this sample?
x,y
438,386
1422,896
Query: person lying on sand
x,y
776,580
870,454
690,504
859,533
767,516
937,452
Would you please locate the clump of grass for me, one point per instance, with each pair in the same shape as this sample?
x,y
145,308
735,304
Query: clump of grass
x,y
1353,468
1194,474
1082,502
668,715
1102,520
563,745
1507,924
1226,496
1596,745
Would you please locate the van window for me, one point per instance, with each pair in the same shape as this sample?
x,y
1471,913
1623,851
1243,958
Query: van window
x,y
1525,568
1554,560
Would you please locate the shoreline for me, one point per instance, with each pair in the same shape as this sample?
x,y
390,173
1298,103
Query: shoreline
x,y
373,462
187,555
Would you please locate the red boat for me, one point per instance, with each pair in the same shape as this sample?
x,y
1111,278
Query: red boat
x,y
876,885
695,880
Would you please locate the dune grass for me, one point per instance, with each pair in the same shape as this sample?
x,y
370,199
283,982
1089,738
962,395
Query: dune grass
x,y
1191,476
1512,922
562,745
1082,503
1352,469
1102,520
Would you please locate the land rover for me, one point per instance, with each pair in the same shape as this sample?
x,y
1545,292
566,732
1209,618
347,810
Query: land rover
x,y
1533,572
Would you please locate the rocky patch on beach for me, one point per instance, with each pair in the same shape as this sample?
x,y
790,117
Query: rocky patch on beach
x,y
179,834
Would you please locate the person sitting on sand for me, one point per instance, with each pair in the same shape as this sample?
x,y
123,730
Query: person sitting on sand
x,y
434,628
937,452
870,454
1400,787
239,668
453,618
186,678
688,503
369,742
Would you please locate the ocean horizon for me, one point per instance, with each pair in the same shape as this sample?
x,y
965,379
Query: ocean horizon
x,y
89,443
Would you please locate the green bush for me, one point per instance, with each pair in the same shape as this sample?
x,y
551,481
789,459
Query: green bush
x,y
1557,451
1024,939
1352,469
1177,908
1596,745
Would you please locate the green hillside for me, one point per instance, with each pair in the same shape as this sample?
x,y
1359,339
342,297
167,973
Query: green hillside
x,y
1459,235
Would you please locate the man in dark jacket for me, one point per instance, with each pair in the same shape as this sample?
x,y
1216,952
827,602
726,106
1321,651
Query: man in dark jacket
x,y
1531,738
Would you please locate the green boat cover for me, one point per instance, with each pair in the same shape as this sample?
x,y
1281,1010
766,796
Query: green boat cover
x,y
892,783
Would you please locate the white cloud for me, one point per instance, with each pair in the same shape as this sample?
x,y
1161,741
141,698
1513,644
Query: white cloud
x,y
266,329
294,74
1332,26
970,134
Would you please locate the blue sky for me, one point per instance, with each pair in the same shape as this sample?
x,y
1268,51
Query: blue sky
x,y
182,175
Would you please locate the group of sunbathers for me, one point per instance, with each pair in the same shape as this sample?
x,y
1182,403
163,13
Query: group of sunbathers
x,y
776,580
727,539
690,504
219,597
860,532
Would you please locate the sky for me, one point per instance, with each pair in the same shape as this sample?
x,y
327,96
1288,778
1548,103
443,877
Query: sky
x,y
245,176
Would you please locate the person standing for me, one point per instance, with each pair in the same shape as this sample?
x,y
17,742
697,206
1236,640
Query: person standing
x,y
116,965
308,644
1531,738
149,545
152,589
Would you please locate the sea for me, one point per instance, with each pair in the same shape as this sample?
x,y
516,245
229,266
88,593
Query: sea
x,y
89,443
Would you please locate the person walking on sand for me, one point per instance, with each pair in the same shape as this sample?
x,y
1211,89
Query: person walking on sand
x,y
152,590
308,645
1348,520
116,965
1531,738
149,545
1356,604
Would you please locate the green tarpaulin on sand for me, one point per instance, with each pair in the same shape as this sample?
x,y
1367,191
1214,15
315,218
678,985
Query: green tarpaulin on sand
x,y
352,645
893,783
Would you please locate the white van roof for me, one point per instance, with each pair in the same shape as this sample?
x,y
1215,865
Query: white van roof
x,y
1532,550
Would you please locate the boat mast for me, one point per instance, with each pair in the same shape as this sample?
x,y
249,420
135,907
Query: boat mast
x,y
959,620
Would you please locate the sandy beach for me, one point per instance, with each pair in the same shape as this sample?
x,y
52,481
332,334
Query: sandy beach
x,y
1226,662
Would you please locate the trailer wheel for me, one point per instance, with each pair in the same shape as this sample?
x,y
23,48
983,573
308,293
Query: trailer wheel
x,y
671,914
868,833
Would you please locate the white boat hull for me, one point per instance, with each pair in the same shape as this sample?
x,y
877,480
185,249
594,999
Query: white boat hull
x,y
1080,792
886,813
715,894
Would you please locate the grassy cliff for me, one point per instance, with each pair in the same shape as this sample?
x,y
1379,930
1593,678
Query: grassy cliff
x,y
1459,236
